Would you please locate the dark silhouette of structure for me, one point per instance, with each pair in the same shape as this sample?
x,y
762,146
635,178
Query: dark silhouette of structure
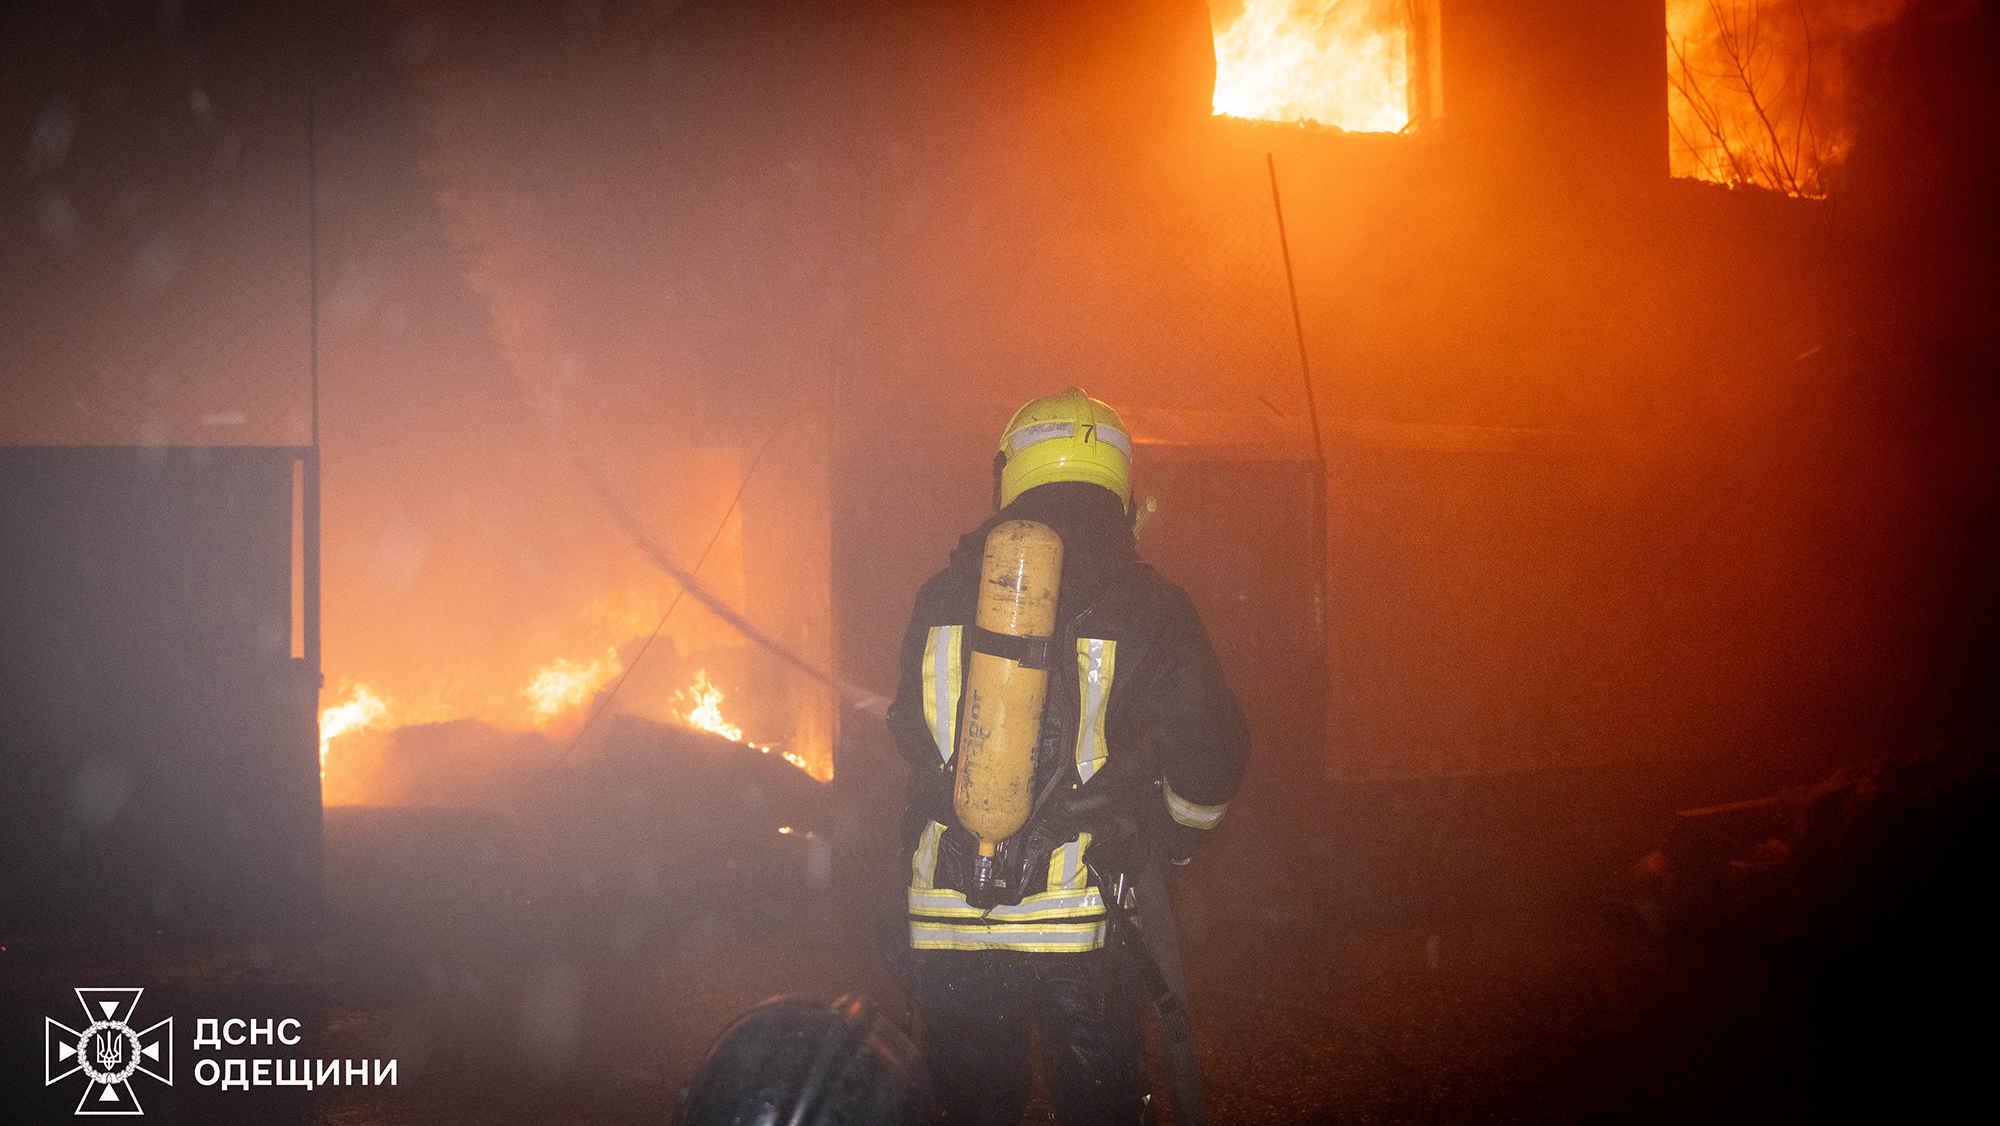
x,y
158,686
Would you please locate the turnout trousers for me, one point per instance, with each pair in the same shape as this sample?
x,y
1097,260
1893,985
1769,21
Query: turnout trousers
x,y
980,1012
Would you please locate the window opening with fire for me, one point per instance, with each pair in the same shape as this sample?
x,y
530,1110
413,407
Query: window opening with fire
x,y
1755,89
1360,66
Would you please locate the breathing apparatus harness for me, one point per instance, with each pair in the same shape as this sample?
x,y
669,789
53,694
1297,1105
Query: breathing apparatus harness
x,y
1055,817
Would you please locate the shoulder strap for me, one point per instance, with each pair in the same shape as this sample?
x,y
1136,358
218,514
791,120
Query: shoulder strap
x,y
1028,651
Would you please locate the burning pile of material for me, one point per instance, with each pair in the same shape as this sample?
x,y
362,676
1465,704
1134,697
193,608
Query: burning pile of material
x,y
374,753
565,685
360,709
706,715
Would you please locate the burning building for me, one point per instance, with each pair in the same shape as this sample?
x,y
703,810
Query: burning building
x,y
820,295
1534,390
774,327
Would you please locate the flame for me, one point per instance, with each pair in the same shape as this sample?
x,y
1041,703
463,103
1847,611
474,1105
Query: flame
x,y
1754,89
565,684
706,715
800,762
363,708
1336,62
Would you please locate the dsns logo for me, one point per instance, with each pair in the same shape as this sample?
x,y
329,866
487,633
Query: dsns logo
x,y
107,1051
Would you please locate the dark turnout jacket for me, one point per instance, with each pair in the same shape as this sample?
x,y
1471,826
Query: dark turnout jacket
x,y
1142,744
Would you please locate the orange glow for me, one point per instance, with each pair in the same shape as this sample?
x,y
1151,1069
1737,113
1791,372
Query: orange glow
x,y
802,764
450,617
706,714
362,709
1748,101
1342,63
564,685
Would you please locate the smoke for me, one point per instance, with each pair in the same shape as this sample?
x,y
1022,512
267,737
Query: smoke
x,y
590,477
1575,517
99,793
156,263
48,144
551,1023
59,222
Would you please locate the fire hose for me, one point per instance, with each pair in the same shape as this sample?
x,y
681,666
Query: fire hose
x,y
1153,944
872,702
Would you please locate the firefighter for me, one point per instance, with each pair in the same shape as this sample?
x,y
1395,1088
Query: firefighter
x,y
1137,748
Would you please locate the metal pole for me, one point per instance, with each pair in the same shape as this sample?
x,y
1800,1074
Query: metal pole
x,y
310,538
1319,452
309,497
309,549
1298,325
312,260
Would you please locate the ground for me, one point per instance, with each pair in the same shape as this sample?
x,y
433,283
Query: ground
x,y
1428,952
1565,1021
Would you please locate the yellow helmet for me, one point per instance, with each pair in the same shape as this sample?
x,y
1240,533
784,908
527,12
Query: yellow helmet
x,y
1066,437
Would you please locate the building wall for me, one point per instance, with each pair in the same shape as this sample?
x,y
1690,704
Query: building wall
x,y
1574,515
159,740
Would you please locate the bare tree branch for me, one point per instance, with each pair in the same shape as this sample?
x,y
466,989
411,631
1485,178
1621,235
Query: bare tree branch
x,y
1732,88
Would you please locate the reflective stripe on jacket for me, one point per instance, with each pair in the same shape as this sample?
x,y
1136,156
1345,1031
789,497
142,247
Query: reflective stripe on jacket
x,y
1147,732
1068,912
1067,915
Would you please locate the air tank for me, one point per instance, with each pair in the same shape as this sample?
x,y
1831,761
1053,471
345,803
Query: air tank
x,y
1002,715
